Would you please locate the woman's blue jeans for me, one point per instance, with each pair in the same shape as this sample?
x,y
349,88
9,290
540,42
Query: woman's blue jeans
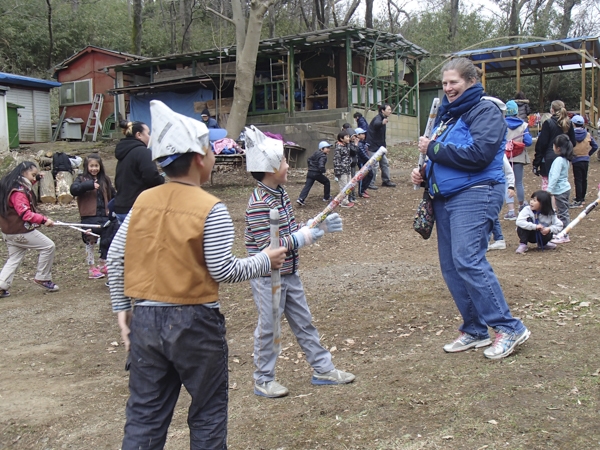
x,y
464,222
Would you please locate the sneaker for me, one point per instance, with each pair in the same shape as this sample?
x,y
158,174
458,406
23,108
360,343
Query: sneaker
x,y
505,343
49,285
103,269
107,284
364,195
300,202
466,341
522,248
4,293
561,240
548,246
577,204
510,216
388,184
328,199
270,389
94,273
347,205
372,186
332,377
498,245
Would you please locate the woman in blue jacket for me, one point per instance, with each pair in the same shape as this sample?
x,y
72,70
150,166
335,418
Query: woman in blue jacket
x,y
465,177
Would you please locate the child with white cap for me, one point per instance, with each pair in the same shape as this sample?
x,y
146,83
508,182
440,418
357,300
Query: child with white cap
x,y
168,258
316,172
265,160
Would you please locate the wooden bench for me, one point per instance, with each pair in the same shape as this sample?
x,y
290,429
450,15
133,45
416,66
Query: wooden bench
x,y
236,160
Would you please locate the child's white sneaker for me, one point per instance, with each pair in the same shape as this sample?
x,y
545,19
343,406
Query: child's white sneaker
x,y
498,245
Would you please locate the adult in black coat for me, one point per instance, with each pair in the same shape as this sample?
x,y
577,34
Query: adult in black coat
x,y
136,171
556,125
376,139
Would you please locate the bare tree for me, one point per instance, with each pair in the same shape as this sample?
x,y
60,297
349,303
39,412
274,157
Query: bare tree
x,y
136,35
186,17
453,25
369,13
50,35
394,13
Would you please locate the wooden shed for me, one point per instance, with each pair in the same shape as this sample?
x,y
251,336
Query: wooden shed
x,y
33,94
85,74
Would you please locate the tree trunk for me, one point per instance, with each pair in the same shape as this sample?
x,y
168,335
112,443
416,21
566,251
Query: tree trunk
x,y
47,191
553,89
136,36
246,68
50,35
185,13
369,13
64,180
453,28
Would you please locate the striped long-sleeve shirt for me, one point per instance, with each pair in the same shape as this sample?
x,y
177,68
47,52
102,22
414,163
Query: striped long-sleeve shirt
x,y
222,265
258,234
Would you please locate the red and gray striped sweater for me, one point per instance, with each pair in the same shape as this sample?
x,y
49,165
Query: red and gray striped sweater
x,y
257,234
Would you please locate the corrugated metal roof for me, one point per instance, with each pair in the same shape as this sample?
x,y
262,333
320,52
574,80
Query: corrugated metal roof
x,y
536,55
126,56
19,80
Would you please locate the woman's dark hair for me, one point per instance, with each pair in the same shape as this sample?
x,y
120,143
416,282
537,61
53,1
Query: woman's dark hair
x,y
102,178
563,143
520,95
130,129
545,199
13,181
341,134
180,167
465,69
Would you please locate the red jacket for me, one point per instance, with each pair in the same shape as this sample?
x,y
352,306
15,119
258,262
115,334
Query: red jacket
x,y
21,216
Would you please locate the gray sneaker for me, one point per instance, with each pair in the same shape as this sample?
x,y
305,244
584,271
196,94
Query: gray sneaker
x,y
332,377
466,341
270,389
505,343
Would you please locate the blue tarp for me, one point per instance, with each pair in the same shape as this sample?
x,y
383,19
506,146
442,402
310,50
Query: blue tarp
x,y
180,103
19,80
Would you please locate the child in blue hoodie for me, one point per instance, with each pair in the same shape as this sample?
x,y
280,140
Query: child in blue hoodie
x,y
518,132
586,146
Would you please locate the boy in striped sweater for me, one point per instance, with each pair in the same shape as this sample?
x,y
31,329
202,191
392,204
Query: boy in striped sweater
x,y
268,166
176,243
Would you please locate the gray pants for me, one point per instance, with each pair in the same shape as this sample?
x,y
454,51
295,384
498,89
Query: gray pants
x,y
562,207
385,169
294,306
17,245
343,180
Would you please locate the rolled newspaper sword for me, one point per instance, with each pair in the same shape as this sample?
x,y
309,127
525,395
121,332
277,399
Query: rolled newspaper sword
x,y
82,225
428,130
588,209
275,283
88,232
319,218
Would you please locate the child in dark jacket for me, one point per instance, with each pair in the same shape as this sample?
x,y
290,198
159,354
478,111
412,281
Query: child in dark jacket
x,y
316,172
586,146
94,190
341,164
363,157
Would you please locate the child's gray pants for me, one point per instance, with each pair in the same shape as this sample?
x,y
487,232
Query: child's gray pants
x,y
293,305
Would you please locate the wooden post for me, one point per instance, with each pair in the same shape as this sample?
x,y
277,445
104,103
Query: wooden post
x,y
541,86
518,69
583,82
349,77
483,75
64,180
47,192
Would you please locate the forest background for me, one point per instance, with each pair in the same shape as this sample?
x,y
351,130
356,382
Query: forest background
x,y
38,34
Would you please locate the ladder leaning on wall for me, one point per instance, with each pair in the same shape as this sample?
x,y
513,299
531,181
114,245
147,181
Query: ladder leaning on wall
x,y
93,122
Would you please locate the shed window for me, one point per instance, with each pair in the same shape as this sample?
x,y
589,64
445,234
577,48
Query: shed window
x,y
76,93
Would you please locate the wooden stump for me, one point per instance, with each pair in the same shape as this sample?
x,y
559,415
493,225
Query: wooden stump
x,y
47,190
64,180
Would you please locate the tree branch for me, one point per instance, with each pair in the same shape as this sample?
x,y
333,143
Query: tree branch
x,y
218,14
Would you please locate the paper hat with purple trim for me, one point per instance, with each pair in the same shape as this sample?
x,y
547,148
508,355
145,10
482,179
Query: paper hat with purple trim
x,y
263,154
174,134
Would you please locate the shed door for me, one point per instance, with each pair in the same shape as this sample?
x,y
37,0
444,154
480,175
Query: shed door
x,y
34,118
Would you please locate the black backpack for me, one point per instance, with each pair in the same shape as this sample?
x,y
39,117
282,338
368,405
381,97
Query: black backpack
x,y
61,163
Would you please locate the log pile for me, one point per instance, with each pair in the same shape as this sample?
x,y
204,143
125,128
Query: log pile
x,y
47,190
64,180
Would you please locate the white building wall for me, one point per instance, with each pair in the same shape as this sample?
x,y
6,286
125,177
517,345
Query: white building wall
x,y
34,117
4,142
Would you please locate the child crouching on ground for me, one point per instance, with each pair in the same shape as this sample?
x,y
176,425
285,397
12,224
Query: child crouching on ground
x,y
169,255
316,172
271,173
537,223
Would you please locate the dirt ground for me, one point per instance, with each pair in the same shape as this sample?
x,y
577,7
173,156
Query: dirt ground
x,y
382,308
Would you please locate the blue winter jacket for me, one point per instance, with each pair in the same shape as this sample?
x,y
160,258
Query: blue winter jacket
x,y
469,152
